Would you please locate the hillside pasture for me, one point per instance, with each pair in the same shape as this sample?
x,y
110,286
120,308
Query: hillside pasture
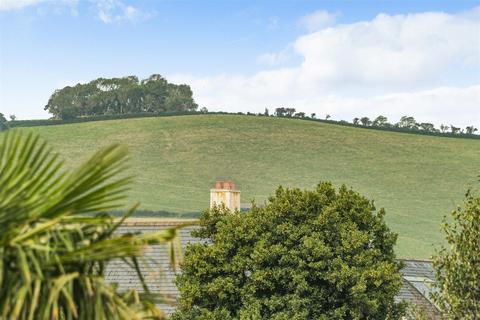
x,y
175,160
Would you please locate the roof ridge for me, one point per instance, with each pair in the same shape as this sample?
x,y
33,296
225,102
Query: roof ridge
x,y
158,222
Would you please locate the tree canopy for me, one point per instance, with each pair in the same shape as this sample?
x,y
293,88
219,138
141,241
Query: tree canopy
x,y
120,96
320,254
458,267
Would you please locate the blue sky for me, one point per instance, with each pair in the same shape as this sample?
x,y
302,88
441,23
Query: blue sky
x,y
345,58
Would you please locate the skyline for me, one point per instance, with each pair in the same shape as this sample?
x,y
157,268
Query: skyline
x,y
340,58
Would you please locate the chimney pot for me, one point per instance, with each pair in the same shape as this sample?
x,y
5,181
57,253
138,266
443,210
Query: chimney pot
x,y
225,193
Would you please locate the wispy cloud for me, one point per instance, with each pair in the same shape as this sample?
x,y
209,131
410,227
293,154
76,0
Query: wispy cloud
x,y
7,5
273,23
109,11
317,20
276,58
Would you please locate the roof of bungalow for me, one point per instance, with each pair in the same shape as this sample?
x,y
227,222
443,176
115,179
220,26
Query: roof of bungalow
x,y
418,276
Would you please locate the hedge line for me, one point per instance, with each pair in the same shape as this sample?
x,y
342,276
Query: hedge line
x,y
157,214
397,129
49,122
53,122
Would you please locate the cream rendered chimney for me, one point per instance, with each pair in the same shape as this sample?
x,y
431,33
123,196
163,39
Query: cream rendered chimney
x,y
225,193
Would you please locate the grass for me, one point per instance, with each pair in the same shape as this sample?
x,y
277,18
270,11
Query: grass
x,y
175,160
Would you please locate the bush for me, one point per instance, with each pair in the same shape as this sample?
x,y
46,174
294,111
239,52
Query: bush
x,y
458,267
321,254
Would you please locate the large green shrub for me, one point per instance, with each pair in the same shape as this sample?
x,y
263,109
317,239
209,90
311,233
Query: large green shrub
x,y
321,254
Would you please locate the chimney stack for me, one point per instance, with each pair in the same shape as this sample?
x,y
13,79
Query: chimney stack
x,y
225,193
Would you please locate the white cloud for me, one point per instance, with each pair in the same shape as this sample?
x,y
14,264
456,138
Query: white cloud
x,y
109,11
418,64
317,20
391,50
275,58
6,5
17,4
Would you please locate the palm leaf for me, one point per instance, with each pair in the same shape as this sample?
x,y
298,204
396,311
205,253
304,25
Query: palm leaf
x,y
52,255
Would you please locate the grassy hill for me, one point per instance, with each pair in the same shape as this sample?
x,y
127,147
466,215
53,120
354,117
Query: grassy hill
x,y
175,160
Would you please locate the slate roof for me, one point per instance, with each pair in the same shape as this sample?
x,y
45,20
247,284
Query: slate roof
x,y
417,275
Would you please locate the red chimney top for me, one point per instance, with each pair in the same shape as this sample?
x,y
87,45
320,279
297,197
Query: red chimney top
x,y
225,185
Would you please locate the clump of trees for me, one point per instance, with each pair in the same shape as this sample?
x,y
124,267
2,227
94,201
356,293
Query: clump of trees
x,y
120,96
291,113
56,240
284,112
458,266
320,254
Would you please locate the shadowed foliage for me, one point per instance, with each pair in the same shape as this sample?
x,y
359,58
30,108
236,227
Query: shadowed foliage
x,y
55,242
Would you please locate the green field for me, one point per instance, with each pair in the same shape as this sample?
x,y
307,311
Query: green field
x,y
175,161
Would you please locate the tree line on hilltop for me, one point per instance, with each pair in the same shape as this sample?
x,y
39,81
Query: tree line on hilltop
x,y
406,122
125,95
115,98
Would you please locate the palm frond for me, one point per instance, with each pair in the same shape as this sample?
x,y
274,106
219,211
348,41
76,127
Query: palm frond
x,y
52,255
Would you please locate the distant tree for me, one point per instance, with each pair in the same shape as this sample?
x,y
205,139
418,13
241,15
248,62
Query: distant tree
x,y
327,117
454,130
356,121
408,123
12,117
321,254
179,98
289,112
380,121
266,112
313,115
470,130
299,115
203,110
365,121
120,96
458,266
280,112
3,122
428,127
444,128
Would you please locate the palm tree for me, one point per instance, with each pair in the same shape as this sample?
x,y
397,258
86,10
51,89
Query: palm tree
x,y
56,239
